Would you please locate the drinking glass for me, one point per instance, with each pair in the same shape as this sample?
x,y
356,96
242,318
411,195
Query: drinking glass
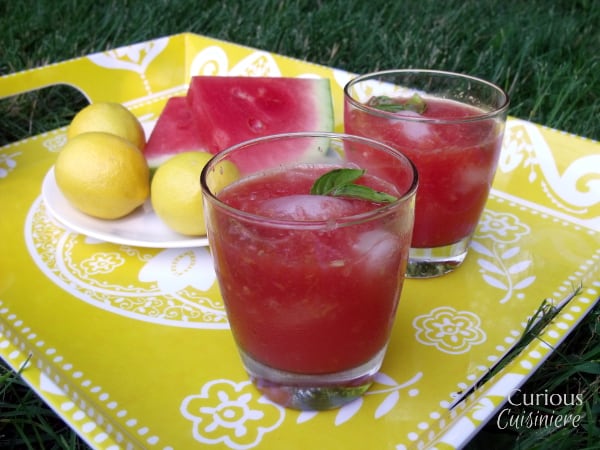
x,y
310,281
451,126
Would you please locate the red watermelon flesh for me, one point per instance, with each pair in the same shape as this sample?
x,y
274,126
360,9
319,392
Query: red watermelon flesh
x,y
221,111
236,109
176,130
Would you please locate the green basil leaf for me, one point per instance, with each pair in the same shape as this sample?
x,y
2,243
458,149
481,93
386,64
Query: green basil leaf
x,y
395,104
333,179
364,193
339,183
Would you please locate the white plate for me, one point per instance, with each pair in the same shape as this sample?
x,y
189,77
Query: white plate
x,y
141,228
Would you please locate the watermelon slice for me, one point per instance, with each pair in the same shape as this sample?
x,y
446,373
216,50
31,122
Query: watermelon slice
x,y
177,130
225,110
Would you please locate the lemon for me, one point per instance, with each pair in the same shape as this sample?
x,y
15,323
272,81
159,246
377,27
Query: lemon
x,y
222,176
111,118
102,175
175,191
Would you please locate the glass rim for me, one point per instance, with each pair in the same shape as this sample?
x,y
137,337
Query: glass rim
x,y
324,224
496,111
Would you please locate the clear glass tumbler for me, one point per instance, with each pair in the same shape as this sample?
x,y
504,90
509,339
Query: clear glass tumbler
x,y
310,273
451,126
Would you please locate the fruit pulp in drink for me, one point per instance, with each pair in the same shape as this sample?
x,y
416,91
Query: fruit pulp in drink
x,y
456,157
309,284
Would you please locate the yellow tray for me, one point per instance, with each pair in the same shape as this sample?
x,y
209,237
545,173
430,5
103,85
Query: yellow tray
x,y
130,345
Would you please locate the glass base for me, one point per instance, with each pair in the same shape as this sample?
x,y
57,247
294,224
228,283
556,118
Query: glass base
x,y
312,392
436,261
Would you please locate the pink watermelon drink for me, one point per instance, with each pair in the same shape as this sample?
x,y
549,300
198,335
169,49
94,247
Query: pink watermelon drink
x,y
455,144
310,281
459,164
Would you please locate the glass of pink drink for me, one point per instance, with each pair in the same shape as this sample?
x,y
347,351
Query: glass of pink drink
x,y
451,126
310,282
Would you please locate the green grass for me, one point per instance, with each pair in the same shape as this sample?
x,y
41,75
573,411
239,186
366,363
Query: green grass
x,y
26,422
544,53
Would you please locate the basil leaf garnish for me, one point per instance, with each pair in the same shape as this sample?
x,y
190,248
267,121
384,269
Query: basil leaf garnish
x,y
395,104
340,183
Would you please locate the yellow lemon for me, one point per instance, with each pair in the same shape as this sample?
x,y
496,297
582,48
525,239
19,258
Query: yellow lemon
x,y
222,176
109,117
102,175
175,191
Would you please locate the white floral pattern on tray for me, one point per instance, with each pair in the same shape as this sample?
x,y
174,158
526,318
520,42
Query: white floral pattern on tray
x,y
231,413
449,330
171,286
135,58
503,265
574,189
235,414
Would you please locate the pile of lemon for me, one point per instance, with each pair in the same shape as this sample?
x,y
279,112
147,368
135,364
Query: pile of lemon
x,y
102,171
